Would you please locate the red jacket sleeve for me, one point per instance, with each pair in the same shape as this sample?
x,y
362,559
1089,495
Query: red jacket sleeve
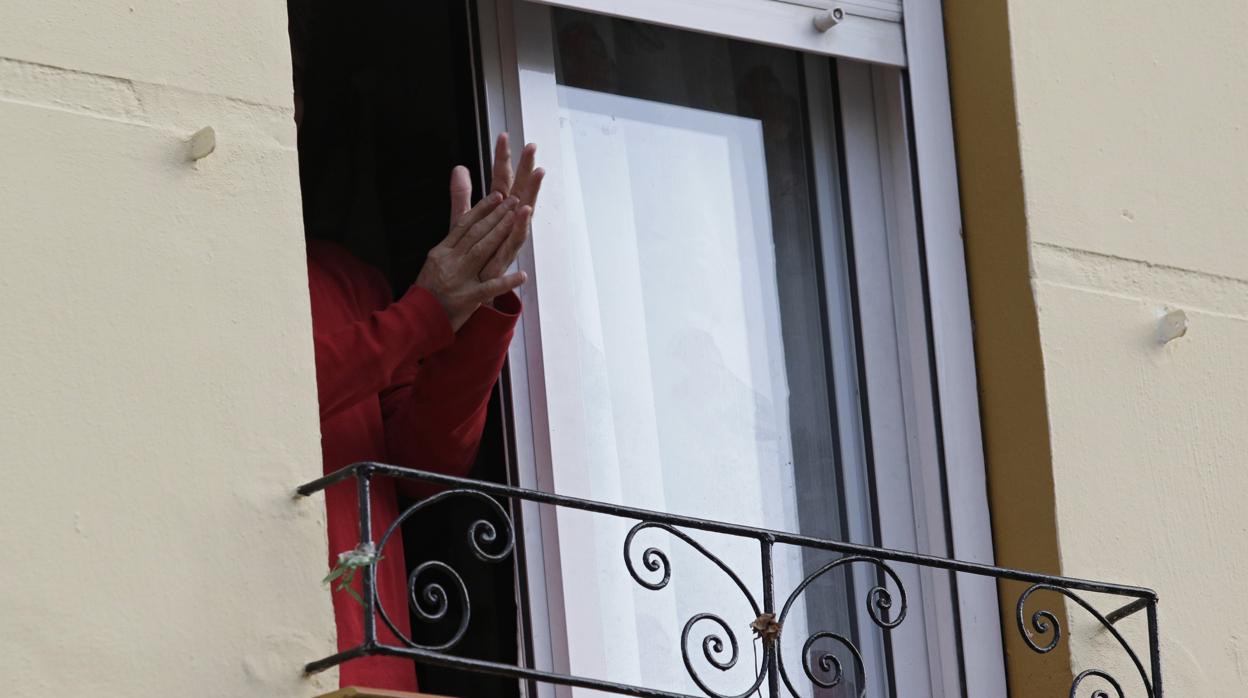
x,y
434,418
359,360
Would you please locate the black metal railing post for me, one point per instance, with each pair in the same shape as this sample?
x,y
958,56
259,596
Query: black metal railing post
x,y
1154,641
368,583
768,545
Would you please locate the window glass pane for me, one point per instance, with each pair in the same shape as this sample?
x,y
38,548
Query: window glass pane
x,y
702,339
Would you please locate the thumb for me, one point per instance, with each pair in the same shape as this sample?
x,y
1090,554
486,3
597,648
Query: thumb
x,y
497,287
461,192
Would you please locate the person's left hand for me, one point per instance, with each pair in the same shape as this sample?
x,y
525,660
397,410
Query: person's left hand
x,y
524,183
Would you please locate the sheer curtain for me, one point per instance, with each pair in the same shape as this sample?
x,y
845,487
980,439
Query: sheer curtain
x,y
700,344
687,403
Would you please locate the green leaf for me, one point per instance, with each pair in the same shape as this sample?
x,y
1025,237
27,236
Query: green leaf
x,y
355,595
334,574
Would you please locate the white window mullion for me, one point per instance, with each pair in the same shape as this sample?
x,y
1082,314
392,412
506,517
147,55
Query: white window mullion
x,y
859,507
910,316
948,294
520,91
891,418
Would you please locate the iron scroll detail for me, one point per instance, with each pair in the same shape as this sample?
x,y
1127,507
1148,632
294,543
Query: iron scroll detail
x,y
430,599
879,600
655,560
1099,693
879,604
1045,622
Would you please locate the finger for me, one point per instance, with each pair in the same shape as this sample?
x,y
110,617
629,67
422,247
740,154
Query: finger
x,y
461,227
498,286
485,248
532,187
528,157
483,227
502,178
506,253
510,247
461,192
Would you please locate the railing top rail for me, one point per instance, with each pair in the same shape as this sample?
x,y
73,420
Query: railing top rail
x,y
366,469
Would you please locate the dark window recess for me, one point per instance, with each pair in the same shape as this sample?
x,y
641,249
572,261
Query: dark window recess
x,y
389,107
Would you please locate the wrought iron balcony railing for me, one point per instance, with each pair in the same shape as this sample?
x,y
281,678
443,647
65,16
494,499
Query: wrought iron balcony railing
x,y
493,538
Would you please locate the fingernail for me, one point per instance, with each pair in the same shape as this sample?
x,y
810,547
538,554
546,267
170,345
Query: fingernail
x,y
494,197
511,202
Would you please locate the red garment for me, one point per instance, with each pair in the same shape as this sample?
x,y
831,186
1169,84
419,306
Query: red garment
x,y
396,385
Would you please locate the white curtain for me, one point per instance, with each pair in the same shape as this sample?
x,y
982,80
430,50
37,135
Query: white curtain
x,y
683,384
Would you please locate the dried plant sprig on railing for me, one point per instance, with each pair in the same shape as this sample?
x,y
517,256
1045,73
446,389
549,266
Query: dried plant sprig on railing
x,y
350,562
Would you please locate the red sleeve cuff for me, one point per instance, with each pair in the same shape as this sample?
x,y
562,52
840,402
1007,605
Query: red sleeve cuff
x,y
426,320
507,304
494,322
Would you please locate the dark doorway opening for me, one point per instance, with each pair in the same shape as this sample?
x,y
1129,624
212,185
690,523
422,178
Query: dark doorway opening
x,y
390,97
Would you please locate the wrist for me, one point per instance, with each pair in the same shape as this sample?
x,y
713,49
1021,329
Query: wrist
x,y
442,300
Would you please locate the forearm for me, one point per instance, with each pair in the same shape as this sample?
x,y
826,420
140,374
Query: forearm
x,y
435,422
361,359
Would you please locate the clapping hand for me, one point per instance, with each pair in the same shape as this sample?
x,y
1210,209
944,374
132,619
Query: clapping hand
x,y
469,266
524,185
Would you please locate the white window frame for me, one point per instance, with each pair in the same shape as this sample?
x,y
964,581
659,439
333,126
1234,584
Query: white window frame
x,y
870,30
953,351
950,464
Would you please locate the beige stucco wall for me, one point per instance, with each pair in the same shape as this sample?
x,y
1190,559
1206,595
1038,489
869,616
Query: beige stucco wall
x,y
1105,145
157,395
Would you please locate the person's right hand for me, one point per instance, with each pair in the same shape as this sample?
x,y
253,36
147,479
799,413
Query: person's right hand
x,y
524,183
452,268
